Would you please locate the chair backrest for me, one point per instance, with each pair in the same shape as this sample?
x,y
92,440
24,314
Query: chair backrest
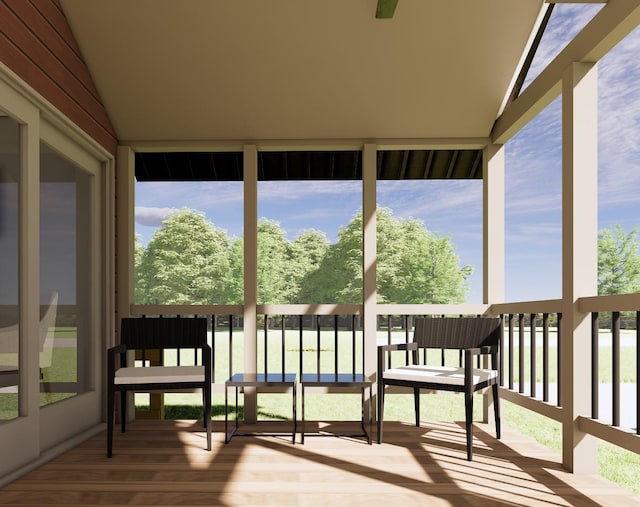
x,y
457,332
47,332
163,333
9,343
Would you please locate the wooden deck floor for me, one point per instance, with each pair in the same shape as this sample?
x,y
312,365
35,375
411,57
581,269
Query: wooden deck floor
x,y
164,463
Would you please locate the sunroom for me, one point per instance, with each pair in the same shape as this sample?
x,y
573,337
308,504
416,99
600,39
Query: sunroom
x,y
501,125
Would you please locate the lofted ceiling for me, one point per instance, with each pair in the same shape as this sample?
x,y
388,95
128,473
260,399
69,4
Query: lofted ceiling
x,y
256,70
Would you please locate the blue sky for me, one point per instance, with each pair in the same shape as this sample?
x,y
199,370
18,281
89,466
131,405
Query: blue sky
x,y
453,208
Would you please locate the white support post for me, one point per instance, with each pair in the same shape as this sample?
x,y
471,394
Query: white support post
x,y
579,257
493,243
250,275
125,227
125,264
493,224
369,286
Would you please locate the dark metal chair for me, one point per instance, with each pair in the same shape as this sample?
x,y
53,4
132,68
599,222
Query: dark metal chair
x,y
339,379
144,334
472,336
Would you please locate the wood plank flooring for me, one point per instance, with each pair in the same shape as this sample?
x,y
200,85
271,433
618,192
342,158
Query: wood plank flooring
x,y
164,463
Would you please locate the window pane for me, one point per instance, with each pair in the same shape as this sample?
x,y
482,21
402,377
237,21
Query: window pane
x,y
65,250
566,21
310,242
429,241
533,214
189,247
618,175
9,295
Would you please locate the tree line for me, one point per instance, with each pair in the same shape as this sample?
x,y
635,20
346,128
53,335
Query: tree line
x,y
191,261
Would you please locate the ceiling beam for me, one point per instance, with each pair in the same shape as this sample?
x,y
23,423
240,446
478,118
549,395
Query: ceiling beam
x,y
386,8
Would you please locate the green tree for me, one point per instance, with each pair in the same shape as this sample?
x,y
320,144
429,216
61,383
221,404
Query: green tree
x,y
186,262
281,264
413,266
338,277
236,276
274,253
307,252
138,253
618,261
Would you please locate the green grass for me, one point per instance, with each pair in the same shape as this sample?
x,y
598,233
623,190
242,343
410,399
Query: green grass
x,y
614,463
605,368
63,369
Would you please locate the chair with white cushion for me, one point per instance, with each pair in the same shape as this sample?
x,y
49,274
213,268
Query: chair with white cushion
x,y
188,336
473,336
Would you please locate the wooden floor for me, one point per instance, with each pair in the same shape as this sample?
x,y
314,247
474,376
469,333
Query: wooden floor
x,y
164,463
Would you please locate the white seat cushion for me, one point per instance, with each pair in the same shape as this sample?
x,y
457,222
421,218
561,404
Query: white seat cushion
x,y
448,375
159,374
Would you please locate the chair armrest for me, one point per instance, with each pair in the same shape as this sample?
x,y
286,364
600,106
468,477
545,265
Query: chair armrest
x,y
382,349
118,349
468,360
207,363
397,346
111,360
483,350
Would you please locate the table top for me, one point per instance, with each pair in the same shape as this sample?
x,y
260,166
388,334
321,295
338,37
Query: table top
x,y
260,380
333,379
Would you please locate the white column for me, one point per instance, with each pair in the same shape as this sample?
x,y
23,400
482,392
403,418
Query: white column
x,y
250,274
125,262
579,256
125,227
493,224
493,257
369,286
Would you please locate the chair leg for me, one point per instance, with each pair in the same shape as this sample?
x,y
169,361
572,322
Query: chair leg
x,y
468,406
380,409
207,414
295,414
110,420
204,407
416,404
226,414
304,423
370,414
496,409
123,410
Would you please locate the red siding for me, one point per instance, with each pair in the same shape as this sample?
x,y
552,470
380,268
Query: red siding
x,y
36,42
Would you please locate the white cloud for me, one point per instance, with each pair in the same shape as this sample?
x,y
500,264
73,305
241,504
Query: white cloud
x,y
192,194
153,217
566,21
619,123
300,190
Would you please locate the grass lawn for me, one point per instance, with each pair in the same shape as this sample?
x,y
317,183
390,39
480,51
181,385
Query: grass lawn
x,y
614,463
